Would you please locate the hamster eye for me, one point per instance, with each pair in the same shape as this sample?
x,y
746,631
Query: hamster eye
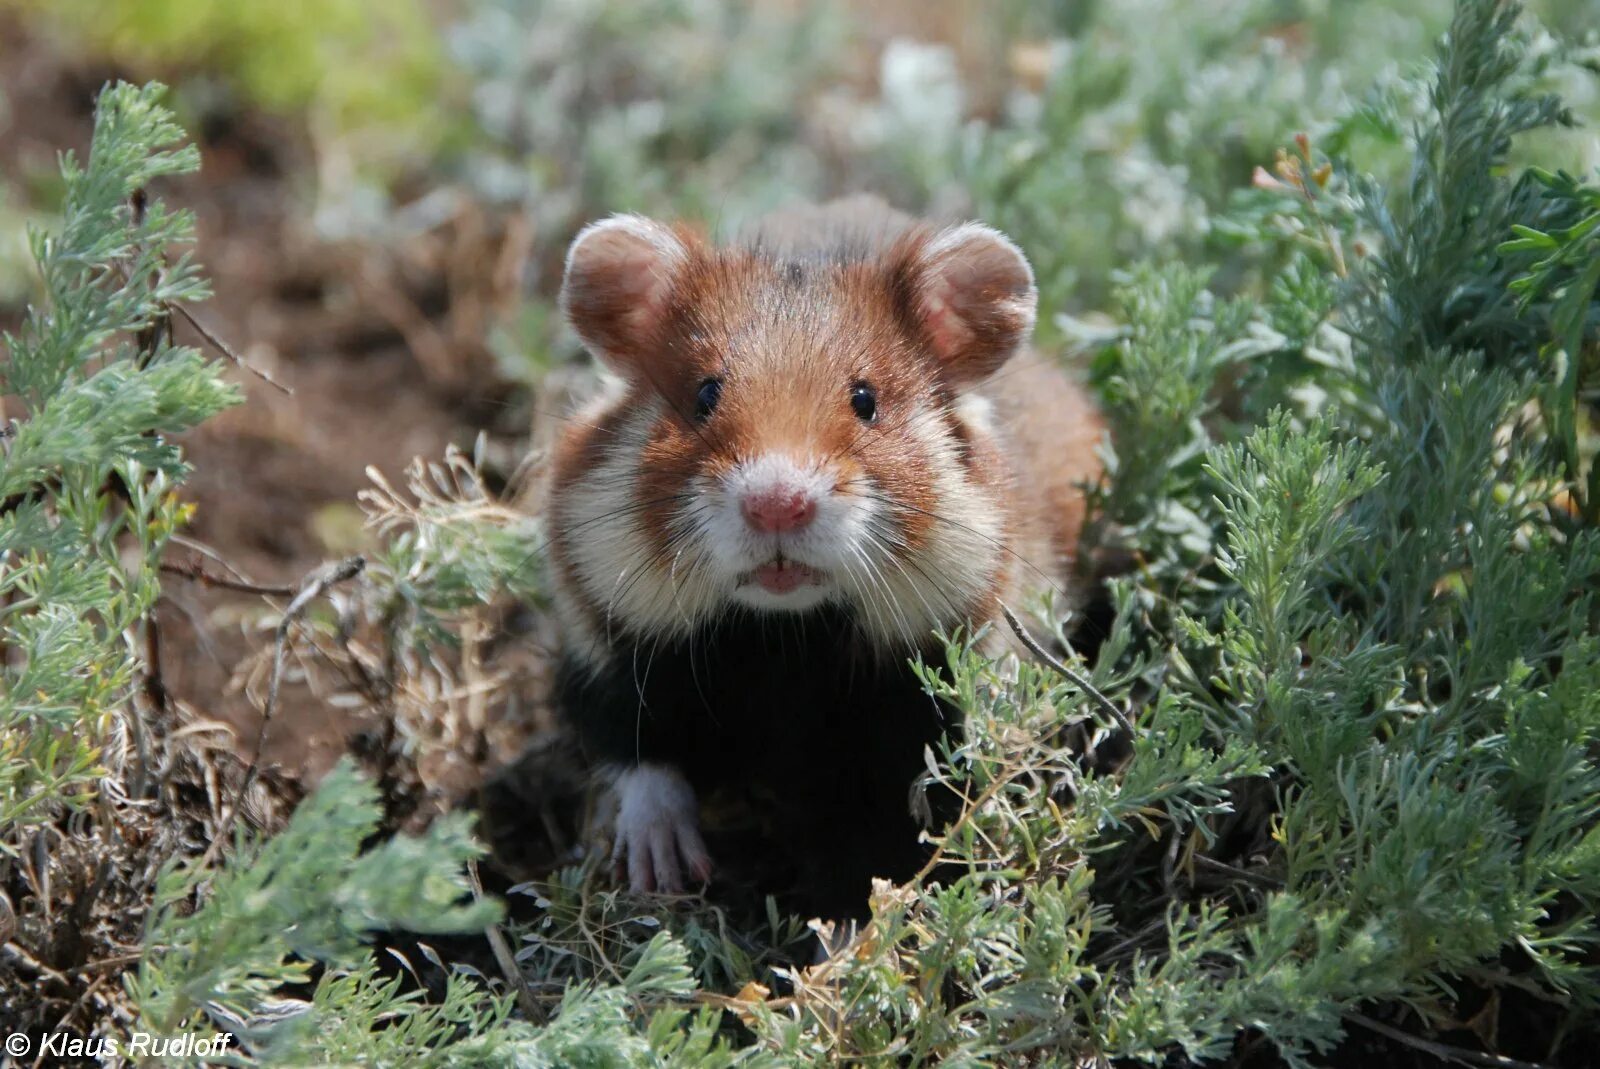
x,y
864,401
706,400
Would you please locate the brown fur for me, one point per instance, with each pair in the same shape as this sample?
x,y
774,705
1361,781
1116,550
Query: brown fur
x,y
813,301
1052,435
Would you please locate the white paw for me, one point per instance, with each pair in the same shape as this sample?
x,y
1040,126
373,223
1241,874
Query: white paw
x,y
658,830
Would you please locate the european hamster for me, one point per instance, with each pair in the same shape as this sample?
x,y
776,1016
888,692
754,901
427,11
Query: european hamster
x,y
825,442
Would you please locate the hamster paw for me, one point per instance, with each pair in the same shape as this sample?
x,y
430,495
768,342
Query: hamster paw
x,y
658,830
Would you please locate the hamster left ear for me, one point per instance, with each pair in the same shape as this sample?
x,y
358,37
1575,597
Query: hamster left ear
x,y
970,291
620,274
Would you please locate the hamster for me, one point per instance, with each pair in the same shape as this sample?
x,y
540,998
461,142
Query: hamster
x,y
825,442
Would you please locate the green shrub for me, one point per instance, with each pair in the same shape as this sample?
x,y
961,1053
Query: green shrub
x,y
90,469
89,484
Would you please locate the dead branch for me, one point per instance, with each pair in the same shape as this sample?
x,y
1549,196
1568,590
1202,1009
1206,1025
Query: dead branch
x,y
503,956
222,347
192,571
313,587
1078,679
1460,1055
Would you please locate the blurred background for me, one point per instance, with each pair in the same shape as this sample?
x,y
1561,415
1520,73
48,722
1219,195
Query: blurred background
x,y
388,188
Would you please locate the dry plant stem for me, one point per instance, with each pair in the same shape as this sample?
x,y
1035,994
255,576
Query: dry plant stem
x,y
194,572
1460,1055
503,956
179,539
223,348
155,696
314,586
154,692
376,690
1260,878
72,1011
1077,678
968,808
148,341
154,687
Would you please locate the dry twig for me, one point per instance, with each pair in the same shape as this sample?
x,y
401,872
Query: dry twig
x,y
223,348
1078,679
192,571
1460,1055
503,955
313,587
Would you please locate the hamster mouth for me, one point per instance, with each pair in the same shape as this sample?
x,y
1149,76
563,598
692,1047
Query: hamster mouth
x,y
784,576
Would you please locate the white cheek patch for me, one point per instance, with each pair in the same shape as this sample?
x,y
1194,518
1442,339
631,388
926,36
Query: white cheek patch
x,y
658,837
853,540
620,569
909,594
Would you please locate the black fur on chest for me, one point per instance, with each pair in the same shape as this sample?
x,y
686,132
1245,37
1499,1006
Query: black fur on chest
x,y
793,733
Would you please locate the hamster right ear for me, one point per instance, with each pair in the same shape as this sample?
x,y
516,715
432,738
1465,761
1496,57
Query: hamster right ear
x,y
620,273
970,291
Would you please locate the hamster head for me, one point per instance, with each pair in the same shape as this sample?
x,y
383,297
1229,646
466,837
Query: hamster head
x,y
786,433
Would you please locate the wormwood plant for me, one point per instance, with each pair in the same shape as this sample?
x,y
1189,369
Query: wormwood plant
x,y
90,772
90,468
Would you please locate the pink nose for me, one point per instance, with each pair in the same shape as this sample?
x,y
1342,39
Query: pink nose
x,y
777,510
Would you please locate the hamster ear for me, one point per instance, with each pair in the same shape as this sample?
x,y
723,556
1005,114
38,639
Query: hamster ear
x,y
620,274
971,294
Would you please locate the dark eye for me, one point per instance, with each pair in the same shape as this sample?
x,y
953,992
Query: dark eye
x,y
706,400
864,401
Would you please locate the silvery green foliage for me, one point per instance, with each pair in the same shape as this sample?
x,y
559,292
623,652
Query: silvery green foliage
x,y
1155,114
308,894
296,910
671,107
99,388
1096,133
450,546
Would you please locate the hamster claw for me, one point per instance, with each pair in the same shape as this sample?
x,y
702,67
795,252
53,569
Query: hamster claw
x,y
658,832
